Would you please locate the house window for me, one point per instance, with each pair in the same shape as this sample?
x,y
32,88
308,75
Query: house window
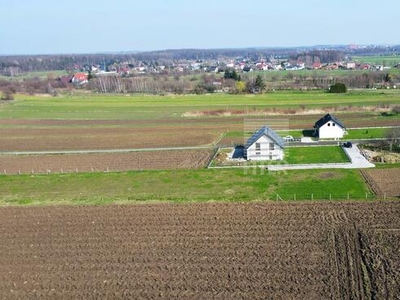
x,y
333,124
329,124
258,146
271,146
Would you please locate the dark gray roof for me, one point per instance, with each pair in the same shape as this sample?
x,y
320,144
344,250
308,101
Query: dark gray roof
x,y
268,132
327,118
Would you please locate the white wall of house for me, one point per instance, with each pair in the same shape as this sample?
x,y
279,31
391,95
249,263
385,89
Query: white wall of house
x,y
331,130
264,149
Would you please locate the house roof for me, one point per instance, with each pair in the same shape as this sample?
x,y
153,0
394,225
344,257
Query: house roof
x,y
327,118
80,77
265,130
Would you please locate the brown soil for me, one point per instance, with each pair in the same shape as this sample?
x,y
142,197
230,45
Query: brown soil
x,y
41,135
201,251
384,182
67,163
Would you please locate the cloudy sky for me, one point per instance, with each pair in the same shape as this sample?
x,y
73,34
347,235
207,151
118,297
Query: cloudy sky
x,y
46,27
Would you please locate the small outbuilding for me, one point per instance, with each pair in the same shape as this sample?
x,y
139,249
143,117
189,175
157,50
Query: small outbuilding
x,y
264,144
329,127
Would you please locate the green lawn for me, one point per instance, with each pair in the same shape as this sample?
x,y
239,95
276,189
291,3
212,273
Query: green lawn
x,y
315,155
369,133
298,155
183,185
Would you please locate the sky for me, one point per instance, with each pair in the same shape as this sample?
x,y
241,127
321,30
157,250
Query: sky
x,y
92,26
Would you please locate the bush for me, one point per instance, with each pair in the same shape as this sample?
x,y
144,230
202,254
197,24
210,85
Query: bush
x,y
338,88
7,95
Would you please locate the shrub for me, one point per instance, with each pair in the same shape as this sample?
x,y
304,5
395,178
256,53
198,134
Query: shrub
x,y
338,88
7,95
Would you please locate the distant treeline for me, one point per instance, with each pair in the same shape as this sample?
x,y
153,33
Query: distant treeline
x,y
17,65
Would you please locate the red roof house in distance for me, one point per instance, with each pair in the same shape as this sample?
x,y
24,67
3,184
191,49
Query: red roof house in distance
x,y
80,78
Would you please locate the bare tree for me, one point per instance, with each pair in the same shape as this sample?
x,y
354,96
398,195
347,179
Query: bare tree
x,y
393,137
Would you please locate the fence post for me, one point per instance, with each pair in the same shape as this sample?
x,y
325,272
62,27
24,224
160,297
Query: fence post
x,y
294,197
330,196
348,195
312,196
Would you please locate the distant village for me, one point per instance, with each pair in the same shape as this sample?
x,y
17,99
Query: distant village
x,y
204,71
240,65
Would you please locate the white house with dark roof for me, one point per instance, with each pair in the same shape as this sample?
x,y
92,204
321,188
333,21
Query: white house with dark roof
x,y
329,127
264,144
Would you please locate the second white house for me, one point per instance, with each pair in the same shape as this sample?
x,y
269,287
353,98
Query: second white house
x,y
329,127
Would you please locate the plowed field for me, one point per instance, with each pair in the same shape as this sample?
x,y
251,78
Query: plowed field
x,y
46,135
384,182
67,163
201,251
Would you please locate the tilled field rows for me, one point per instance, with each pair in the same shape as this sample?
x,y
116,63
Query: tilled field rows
x,y
46,135
67,163
200,251
30,139
384,182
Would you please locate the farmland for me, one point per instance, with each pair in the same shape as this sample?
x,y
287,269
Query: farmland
x,y
90,121
101,162
384,182
186,185
135,124
252,250
67,231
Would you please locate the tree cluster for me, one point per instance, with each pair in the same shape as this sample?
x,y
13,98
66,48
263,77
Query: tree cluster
x,y
232,74
338,88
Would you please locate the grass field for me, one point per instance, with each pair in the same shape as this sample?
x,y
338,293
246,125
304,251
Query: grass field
x,y
315,155
369,133
100,107
389,60
179,185
298,155
78,115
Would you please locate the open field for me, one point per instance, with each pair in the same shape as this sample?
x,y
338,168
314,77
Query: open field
x,y
101,122
90,121
386,60
134,107
384,182
181,185
256,250
132,136
95,162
